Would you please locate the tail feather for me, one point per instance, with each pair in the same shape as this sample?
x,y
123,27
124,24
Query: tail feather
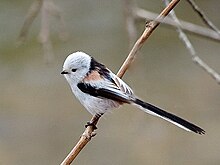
x,y
153,110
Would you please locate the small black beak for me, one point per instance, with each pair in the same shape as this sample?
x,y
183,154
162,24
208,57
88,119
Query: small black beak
x,y
64,72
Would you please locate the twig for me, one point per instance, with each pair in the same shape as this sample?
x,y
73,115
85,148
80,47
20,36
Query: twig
x,y
186,26
195,58
55,11
130,20
84,139
44,35
31,15
147,32
88,133
205,19
47,8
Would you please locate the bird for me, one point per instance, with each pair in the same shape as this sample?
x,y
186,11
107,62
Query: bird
x,y
99,90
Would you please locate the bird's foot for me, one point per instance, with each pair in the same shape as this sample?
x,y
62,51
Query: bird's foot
x,y
89,123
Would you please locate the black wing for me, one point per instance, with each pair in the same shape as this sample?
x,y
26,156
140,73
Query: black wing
x,y
106,93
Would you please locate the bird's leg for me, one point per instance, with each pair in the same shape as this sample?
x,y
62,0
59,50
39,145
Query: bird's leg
x,y
94,122
89,123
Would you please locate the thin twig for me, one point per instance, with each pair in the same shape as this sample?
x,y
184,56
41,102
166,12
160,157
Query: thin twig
x,y
44,35
186,26
147,32
195,58
84,139
47,8
205,19
55,11
130,20
89,131
31,15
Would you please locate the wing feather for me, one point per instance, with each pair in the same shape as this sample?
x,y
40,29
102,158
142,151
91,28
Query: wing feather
x,y
103,83
121,84
106,93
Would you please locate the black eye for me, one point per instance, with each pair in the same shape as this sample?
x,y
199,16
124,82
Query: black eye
x,y
73,70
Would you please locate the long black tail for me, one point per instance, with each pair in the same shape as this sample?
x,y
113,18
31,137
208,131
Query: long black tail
x,y
151,109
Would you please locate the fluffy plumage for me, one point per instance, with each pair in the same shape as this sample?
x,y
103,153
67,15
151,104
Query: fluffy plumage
x,y
99,90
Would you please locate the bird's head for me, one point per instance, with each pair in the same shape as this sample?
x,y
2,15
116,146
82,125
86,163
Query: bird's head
x,y
76,66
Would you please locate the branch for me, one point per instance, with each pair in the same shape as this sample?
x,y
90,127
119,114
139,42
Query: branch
x,y
205,19
31,15
84,139
195,58
47,8
186,26
44,35
89,131
150,27
130,21
50,9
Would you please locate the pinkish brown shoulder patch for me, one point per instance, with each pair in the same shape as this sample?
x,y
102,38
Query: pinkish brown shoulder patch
x,y
93,76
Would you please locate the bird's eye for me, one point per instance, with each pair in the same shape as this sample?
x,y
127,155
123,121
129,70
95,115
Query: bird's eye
x,y
73,70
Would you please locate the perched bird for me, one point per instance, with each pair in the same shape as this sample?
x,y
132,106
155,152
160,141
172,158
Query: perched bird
x,y
99,90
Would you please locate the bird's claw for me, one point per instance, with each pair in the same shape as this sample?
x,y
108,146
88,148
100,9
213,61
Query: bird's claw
x,y
91,124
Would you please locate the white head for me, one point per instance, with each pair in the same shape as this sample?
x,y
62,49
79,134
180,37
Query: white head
x,y
76,66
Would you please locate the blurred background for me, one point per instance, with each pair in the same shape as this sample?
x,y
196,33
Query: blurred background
x,y
40,120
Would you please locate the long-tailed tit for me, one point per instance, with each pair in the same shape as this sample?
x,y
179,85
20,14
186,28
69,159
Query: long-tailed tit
x,y
99,90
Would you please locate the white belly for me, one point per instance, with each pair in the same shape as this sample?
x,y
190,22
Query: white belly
x,y
93,104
